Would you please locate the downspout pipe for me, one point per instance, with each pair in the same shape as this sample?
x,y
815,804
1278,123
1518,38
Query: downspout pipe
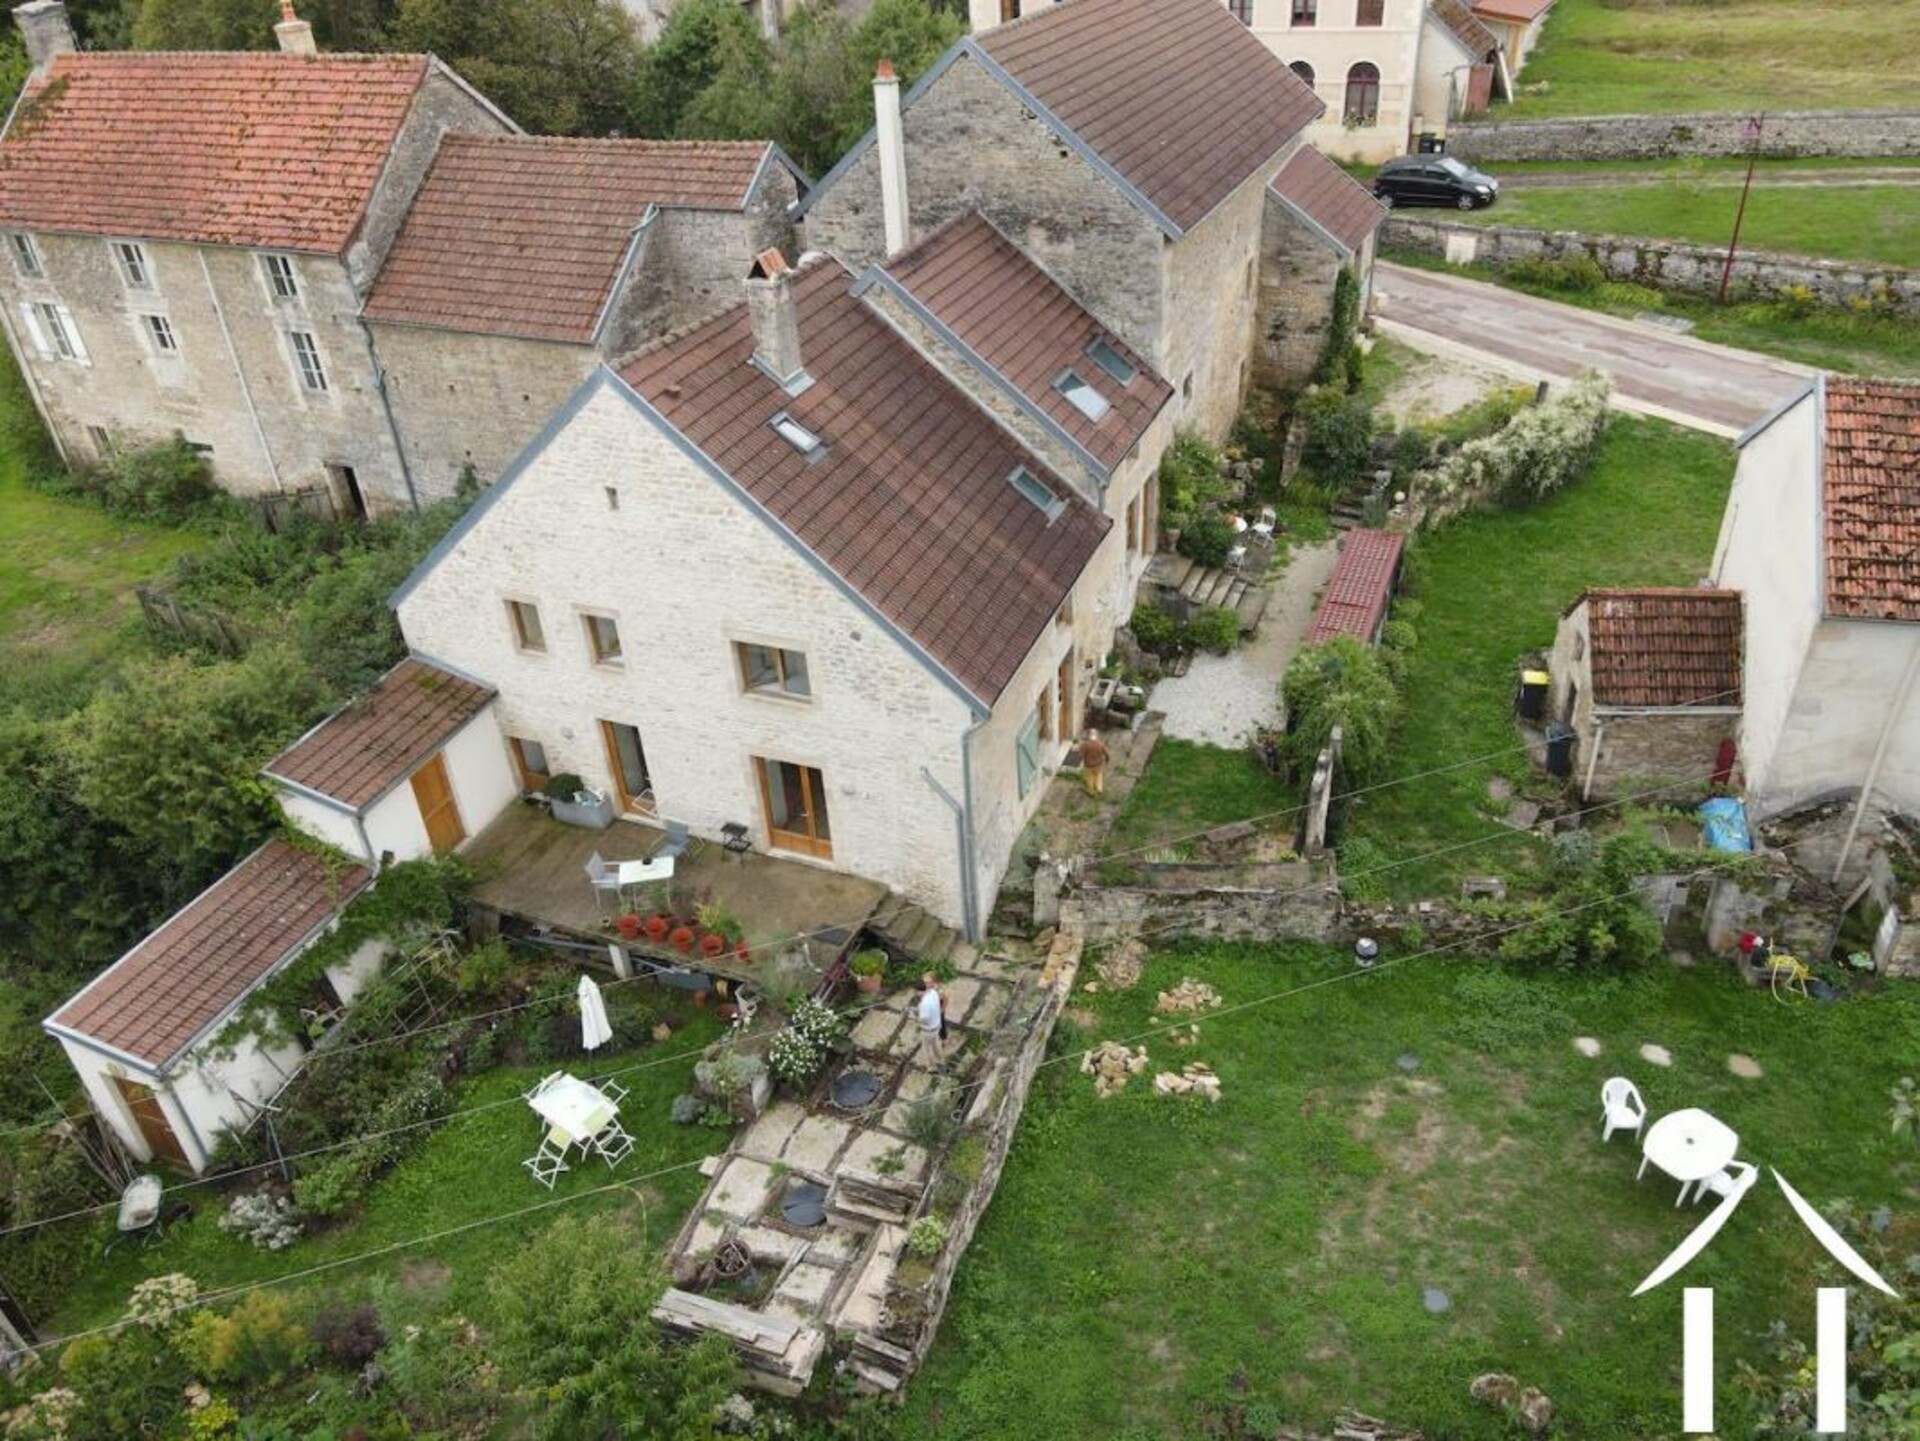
x,y
240,374
386,408
963,839
1894,712
1593,759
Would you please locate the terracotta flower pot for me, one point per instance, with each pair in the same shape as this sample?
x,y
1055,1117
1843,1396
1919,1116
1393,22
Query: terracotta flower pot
x,y
656,928
870,985
627,925
682,938
742,951
711,945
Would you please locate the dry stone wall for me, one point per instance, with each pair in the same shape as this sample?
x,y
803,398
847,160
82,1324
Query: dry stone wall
x,y
1839,133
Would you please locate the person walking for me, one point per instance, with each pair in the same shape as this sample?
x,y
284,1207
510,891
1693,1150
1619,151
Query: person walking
x,y
1093,762
929,1014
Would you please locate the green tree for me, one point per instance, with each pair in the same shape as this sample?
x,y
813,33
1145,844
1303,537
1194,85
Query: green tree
x,y
205,25
740,104
1340,683
559,67
909,33
814,75
572,1320
699,38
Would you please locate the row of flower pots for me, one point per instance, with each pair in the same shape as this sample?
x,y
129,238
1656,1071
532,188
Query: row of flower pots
x,y
682,934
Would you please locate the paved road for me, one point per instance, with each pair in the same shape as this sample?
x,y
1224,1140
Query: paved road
x,y
1655,371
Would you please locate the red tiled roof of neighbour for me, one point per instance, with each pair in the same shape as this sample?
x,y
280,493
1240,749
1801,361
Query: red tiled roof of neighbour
x,y
1176,95
1331,198
276,151
1514,12
984,288
912,503
1664,646
163,993
525,235
361,751
1458,20
1871,482
1357,594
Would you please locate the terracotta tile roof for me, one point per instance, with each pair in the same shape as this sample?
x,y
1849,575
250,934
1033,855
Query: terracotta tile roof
x,y
1458,20
1176,95
1871,482
360,752
1329,197
276,151
163,993
911,504
1664,647
525,235
980,285
1513,12
1360,588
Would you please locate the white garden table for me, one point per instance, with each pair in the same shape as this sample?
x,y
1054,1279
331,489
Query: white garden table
x,y
577,1110
633,875
1689,1146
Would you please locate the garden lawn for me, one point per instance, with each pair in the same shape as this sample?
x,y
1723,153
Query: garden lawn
x,y
1188,788
1490,586
1613,57
467,1172
1851,222
1151,1265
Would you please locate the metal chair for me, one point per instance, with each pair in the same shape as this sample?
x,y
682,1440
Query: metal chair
x,y
605,880
550,1160
611,1089
612,1143
679,842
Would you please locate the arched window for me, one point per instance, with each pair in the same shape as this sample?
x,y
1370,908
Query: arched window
x,y
1370,12
1304,71
1363,95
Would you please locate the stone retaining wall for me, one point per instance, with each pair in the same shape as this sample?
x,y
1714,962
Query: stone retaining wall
x,y
1847,134
1232,903
1662,264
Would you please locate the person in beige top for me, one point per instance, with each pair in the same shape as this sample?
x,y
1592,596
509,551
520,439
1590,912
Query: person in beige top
x,y
1093,762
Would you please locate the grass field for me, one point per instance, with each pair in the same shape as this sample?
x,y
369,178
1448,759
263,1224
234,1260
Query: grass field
x,y
1864,222
1492,586
1612,57
1189,787
1154,1269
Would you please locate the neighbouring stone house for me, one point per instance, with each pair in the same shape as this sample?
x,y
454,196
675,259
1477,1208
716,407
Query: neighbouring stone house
x,y
1822,534
1320,221
524,261
856,552
409,770
1650,682
1124,145
190,237
1517,24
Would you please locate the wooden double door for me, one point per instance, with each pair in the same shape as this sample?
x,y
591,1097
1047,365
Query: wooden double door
x,y
794,800
439,812
155,1129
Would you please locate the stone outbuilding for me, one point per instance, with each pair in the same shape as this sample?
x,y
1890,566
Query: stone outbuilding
x,y
1320,221
1650,682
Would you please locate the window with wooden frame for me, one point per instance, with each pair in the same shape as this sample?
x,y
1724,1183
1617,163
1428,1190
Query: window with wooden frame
x,y
1133,524
528,633
1370,13
530,760
770,670
53,331
282,280
1363,95
603,638
1304,13
1241,10
160,335
135,270
26,254
307,363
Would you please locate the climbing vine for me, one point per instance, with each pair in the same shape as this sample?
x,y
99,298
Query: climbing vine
x,y
1337,359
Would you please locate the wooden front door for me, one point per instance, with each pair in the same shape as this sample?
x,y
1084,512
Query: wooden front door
x,y
433,793
152,1121
794,799
627,760
1068,731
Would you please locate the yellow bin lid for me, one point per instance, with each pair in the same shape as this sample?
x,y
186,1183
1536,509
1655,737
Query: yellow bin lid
x,y
1535,677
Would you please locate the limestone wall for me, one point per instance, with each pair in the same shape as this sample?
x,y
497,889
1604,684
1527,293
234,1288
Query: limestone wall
x,y
1844,133
1297,274
1229,903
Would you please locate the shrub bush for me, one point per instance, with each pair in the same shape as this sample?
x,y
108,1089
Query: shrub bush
x,y
255,1343
1339,435
927,1237
929,1120
1190,480
271,1222
1543,448
1576,274
168,481
1156,631
1340,683
1217,628
348,1335
1207,539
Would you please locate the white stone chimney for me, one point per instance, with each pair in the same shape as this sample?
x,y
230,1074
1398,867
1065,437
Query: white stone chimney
x,y
45,29
892,147
294,34
775,320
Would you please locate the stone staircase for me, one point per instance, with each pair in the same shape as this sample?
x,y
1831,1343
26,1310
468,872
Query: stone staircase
x,y
1350,510
1201,586
907,930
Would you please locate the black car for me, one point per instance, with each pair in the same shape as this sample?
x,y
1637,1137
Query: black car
x,y
1434,180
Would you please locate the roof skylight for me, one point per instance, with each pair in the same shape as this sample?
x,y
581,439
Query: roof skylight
x,y
798,436
1111,360
1036,490
1081,395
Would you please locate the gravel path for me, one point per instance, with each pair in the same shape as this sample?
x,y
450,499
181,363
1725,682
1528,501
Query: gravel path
x,y
1224,697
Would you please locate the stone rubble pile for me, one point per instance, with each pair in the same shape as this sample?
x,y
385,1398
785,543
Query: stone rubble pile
x,y
1111,1065
1197,1079
1120,967
1185,1035
1190,995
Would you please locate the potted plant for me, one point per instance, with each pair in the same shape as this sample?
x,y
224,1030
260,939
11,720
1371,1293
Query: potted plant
x,y
869,971
655,927
628,925
741,950
712,944
681,937
573,802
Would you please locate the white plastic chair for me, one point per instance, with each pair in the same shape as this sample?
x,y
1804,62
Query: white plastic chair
x,y
1736,1180
605,880
1621,1108
551,1159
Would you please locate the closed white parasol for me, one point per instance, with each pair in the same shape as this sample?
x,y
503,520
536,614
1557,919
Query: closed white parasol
x,y
595,1029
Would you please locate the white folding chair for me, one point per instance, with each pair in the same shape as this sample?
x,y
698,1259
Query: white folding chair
x,y
1737,1179
550,1160
1621,1109
539,1087
613,1143
611,1089
605,880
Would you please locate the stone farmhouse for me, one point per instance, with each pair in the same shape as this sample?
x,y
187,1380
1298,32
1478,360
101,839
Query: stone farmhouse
x,y
1822,534
220,245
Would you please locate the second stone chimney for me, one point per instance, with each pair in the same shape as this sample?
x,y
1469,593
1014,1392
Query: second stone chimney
x,y
890,142
776,322
294,34
45,29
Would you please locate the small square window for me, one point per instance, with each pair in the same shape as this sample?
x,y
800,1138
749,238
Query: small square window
x,y
132,259
603,638
1108,358
768,670
26,254
281,280
527,631
1081,395
306,358
160,334
798,436
1038,492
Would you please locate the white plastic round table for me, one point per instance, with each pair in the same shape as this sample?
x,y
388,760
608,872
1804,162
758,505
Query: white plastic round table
x,y
1689,1145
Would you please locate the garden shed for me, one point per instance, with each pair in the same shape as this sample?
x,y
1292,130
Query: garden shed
x,y
1649,680
413,768
1361,588
144,1035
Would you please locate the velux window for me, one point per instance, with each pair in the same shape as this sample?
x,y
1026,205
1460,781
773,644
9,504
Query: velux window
x,y
798,436
1036,490
1081,395
1109,359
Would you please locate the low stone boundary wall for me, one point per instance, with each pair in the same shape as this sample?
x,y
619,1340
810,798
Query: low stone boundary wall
x,y
1844,134
1231,903
1661,264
